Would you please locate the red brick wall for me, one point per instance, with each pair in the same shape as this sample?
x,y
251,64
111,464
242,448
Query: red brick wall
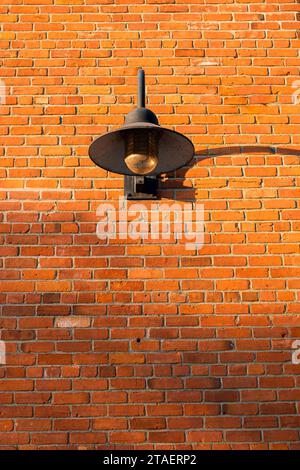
x,y
164,348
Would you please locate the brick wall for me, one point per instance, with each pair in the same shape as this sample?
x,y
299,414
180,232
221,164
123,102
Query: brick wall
x,y
148,345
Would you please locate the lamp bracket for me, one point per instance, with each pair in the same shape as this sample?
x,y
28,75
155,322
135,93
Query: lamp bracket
x,y
140,187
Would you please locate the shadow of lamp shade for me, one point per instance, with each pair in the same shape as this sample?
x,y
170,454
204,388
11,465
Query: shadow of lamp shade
x,y
141,149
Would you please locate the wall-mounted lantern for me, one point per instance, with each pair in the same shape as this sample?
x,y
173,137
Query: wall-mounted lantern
x,y
141,149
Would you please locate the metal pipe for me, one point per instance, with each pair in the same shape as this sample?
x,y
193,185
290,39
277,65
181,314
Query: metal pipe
x,y
141,89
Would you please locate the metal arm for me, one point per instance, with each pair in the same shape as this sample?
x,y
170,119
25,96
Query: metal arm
x,y
141,89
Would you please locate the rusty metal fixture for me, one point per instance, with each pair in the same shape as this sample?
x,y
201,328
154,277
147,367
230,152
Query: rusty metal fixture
x,y
141,147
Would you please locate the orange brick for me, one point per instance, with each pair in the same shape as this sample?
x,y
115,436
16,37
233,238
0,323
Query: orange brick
x,y
139,343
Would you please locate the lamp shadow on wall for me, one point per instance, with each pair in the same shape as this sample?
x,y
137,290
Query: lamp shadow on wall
x,y
174,185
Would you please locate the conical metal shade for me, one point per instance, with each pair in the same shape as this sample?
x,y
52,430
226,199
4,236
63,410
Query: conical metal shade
x,y
174,149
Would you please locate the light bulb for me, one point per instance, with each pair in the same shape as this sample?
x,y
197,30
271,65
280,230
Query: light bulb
x,y
141,153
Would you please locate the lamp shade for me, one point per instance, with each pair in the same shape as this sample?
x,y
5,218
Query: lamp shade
x,y
173,150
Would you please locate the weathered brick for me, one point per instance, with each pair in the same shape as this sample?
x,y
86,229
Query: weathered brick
x,y
147,344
